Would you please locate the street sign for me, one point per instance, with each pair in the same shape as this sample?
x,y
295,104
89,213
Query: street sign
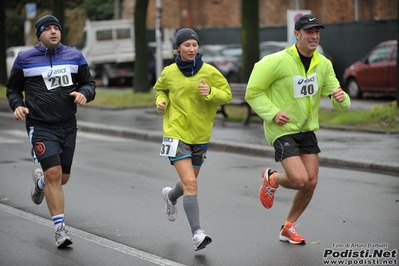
x,y
292,17
30,10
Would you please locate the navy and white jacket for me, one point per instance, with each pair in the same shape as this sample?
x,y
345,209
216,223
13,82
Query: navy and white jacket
x,y
47,77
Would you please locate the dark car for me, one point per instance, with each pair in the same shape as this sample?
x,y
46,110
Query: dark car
x,y
376,72
226,58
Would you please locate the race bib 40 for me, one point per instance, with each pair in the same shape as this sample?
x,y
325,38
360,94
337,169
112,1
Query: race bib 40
x,y
305,86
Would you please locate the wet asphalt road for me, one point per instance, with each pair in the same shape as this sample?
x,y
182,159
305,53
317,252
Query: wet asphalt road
x,y
114,209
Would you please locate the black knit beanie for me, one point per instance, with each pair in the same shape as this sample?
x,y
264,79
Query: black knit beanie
x,y
185,34
44,22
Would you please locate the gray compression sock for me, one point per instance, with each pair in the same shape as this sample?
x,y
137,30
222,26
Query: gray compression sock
x,y
191,207
176,192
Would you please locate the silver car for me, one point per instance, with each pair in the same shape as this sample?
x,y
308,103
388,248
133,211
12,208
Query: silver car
x,y
226,58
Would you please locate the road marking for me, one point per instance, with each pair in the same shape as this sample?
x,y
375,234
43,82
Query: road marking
x,y
11,141
97,136
93,238
81,134
15,132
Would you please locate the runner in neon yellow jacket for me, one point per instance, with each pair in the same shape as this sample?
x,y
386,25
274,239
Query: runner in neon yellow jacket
x,y
189,116
188,95
284,89
271,89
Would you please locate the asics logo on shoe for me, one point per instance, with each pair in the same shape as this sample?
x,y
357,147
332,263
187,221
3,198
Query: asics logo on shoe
x,y
311,19
269,191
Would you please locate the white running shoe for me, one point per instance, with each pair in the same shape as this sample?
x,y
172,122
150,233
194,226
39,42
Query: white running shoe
x,y
36,193
170,209
200,239
62,238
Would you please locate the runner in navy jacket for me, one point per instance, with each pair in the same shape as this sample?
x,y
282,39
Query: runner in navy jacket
x,y
45,86
48,76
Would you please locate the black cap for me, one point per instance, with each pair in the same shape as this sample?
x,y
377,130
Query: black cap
x,y
44,22
185,34
307,21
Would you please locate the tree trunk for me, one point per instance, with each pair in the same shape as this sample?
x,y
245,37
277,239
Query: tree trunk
x,y
141,81
249,37
59,13
3,71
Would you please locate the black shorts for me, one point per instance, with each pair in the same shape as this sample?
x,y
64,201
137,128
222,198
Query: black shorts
x,y
295,144
197,153
47,142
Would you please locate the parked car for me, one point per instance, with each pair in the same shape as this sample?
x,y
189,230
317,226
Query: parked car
x,y
11,54
226,58
376,72
270,47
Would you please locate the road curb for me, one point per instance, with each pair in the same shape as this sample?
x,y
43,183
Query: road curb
x,y
241,148
232,147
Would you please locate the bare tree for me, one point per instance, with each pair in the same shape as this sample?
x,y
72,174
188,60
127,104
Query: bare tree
x,y
3,72
141,81
249,37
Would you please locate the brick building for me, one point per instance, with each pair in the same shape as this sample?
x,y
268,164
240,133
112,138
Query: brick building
x,y
227,13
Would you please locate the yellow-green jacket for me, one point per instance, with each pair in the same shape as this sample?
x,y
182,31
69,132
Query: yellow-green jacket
x,y
271,86
189,116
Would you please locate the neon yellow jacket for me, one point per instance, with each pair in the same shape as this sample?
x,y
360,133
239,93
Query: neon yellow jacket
x,y
271,85
189,116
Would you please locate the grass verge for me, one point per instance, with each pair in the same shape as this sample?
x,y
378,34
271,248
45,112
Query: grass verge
x,y
383,117
123,99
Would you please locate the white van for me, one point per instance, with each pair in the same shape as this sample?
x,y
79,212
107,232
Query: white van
x,y
108,47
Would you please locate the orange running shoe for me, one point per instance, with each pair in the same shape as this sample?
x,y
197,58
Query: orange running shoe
x,y
266,191
289,234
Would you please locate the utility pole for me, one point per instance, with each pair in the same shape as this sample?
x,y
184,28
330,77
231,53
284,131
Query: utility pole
x,y
116,9
30,9
356,7
158,37
297,4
